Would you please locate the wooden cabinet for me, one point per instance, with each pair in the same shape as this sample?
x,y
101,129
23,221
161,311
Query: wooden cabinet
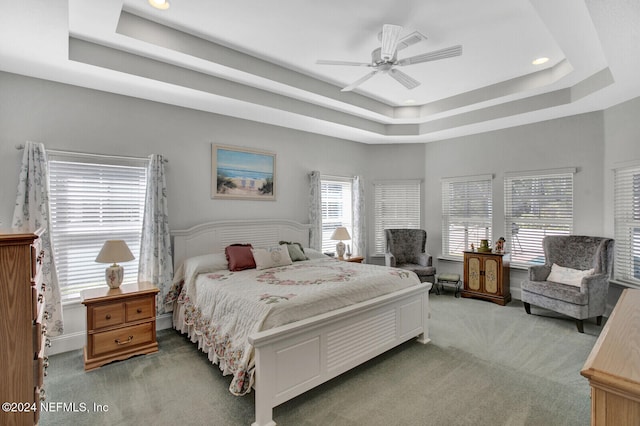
x,y
121,323
486,276
22,332
612,366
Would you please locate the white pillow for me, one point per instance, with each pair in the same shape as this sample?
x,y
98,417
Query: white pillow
x,y
193,266
271,257
562,275
314,254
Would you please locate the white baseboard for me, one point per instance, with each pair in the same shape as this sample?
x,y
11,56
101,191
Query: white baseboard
x,y
74,341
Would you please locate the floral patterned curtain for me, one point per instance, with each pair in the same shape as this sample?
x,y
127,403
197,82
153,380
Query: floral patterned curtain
x,y
32,210
315,210
156,262
359,236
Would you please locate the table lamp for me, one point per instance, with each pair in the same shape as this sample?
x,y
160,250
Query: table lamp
x,y
340,234
114,251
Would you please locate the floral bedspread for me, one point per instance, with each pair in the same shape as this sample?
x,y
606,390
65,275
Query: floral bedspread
x,y
221,309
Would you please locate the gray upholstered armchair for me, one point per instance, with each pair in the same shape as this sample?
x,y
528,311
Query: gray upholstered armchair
x,y
587,297
406,250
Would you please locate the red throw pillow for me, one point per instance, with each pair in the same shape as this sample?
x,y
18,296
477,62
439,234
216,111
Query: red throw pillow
x,y
239,257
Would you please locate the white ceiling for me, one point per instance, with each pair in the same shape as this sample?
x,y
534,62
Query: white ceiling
x,y
256,59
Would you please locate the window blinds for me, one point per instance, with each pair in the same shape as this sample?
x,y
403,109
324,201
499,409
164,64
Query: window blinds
x,y
336,210
92,202
536,205
627,224
467,206
397,205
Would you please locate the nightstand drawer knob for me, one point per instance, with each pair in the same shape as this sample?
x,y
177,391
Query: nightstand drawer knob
x,y
108,316
139,310
129,340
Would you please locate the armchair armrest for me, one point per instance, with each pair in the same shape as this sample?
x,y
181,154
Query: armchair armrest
x,y
539,272
389,260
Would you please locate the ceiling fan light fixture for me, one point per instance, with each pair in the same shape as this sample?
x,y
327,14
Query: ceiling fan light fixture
x,y
159,4
540,61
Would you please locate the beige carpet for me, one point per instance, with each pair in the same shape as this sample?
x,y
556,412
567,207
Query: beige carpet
x,y
486,365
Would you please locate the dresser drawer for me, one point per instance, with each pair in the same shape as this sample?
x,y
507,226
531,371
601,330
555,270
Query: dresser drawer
x,y
117,340
138,309
107,315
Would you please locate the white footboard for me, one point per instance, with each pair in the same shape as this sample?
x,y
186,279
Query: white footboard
x,y
294,358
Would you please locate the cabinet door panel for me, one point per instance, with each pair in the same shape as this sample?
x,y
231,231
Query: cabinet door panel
x,y
474,273
491,276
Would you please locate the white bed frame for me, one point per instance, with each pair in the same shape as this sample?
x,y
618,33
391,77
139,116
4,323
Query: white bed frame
x,y
296,357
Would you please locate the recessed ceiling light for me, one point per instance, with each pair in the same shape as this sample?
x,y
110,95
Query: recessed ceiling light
x,y
540,61
159,4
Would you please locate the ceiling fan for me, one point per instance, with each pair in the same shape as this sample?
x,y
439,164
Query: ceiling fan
x,y
384,59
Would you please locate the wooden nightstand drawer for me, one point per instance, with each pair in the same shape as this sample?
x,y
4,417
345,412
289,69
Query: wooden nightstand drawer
x,y
140,309
126,337
107,315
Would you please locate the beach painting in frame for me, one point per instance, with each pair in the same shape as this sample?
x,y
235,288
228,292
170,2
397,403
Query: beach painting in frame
x,y
242,173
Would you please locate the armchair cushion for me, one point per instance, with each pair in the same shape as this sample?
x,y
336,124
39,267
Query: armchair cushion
x,y
568,276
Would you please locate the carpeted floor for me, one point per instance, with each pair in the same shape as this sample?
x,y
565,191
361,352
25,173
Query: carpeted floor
x,y
486,365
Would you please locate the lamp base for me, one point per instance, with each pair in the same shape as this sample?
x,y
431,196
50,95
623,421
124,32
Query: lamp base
x,y
114,275
340,249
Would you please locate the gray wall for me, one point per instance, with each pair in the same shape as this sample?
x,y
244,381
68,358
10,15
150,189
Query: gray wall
x,y
76,119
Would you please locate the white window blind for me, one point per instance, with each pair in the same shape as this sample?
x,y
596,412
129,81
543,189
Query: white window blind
x,y
93,199
336,210
466,213
627,224
397,205
537,204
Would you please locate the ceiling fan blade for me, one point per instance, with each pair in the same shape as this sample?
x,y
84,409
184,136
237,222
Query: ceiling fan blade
x,y
410,40
359,82
448,52
390,37
404,79
349,63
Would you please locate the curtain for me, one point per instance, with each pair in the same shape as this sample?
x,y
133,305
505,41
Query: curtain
x,y
359,236
315,210
156,263
32,211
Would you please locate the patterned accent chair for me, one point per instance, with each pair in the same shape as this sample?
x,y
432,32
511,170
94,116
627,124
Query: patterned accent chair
x,y
406,250
587,297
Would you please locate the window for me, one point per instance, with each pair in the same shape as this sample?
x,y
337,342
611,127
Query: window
x,y
94,198
397,205
466,213
627,224
537,204
336,209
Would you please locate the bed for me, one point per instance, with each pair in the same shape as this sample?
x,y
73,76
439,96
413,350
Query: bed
x,y
286,356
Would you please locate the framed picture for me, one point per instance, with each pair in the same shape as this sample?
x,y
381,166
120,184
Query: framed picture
x,y
241,173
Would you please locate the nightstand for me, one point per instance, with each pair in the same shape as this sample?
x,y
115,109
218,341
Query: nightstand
x,y
121,323
356,259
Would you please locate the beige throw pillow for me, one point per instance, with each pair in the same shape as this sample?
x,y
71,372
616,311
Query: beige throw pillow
x,y
562,275
271,257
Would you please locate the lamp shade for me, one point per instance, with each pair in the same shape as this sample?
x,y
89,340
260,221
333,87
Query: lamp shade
x,y
114,251
341,233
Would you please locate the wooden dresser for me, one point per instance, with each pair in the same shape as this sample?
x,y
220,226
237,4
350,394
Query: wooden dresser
x,y
613,367
22,332
486,276
121,323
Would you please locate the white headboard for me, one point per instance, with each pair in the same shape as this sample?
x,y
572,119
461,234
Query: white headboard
x,y
213,237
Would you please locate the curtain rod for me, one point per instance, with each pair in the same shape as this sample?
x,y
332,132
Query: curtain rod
x,y
20,146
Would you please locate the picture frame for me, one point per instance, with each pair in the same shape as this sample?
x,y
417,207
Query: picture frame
x,y
242,173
